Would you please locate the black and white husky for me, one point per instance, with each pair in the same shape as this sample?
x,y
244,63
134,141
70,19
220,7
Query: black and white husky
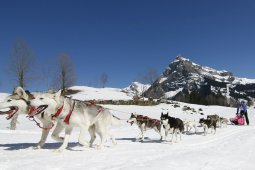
x,y
144,123
172,123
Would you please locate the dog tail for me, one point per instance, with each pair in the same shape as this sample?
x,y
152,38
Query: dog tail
x,y
115,121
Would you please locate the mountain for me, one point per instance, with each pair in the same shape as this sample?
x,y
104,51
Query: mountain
x,y
136,89
186,81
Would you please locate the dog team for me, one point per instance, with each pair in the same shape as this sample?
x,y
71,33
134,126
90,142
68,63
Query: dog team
x,y
68,113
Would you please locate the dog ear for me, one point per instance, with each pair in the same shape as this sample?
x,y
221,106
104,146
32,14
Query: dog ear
x,y
21,93
167,113
57,94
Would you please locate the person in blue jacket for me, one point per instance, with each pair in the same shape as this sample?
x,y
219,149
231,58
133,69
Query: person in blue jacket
x,y
243,111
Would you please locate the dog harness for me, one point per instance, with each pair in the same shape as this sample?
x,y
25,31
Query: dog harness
x,y
90,104
147,119
58,112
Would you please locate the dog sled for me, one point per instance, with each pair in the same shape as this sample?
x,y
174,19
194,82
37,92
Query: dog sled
x,y
238,120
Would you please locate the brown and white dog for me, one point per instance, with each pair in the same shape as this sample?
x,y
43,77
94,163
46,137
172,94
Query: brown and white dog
x,y
144,123
208,123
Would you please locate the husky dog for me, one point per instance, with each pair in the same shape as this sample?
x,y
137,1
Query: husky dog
x,y
208,123
224,122
169,123
18,103
215,118
144,123
189,124
14,104
72,113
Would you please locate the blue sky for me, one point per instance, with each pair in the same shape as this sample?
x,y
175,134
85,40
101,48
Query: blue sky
x,y
125,37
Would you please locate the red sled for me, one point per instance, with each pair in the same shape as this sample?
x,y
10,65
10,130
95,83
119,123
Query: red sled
x,y
238,120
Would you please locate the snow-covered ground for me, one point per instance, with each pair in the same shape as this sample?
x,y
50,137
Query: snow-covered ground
x,y
231,148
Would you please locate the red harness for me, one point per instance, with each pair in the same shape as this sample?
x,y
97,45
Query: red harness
x,y
58,112
67,118
90,104
146,118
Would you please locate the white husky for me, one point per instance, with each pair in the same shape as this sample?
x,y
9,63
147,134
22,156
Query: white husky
x,y
72,113
18,103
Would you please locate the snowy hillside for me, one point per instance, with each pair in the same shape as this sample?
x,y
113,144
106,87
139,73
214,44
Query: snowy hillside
x,y
231,148
91,93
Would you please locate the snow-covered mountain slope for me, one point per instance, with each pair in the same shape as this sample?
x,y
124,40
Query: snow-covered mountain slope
x,y
91,93
183,76
230,148
3,95
136,89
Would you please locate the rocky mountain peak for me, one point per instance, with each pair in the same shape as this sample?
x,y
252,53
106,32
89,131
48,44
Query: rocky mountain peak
x,y
182,76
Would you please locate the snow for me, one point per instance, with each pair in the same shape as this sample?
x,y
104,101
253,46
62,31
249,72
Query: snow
x,y
171,94
91,93
162,80
3,95
231,148
243,81
136,88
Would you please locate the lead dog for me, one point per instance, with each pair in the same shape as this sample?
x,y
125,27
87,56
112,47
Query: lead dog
x,y
18,103
171,123
144,123
71,113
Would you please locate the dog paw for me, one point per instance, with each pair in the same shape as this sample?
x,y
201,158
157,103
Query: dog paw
x,y
84,144
37,147
59,150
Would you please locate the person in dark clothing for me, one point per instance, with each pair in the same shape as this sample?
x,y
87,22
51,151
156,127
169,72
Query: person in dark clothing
x,y
243,111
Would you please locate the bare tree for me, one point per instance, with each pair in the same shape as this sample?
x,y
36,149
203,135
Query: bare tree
x,y
21,69
103,79
65,75
147,77
46,74
21,64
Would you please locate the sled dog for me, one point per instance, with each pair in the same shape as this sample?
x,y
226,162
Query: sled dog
x,y
171,123
18,103
144,123
224,122
215,118
208,123
71,113
189,124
